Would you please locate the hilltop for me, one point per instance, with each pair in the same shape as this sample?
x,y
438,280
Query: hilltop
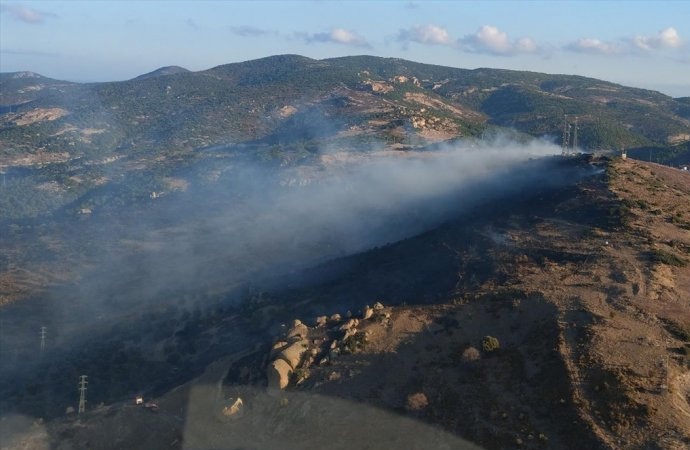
x,y
163,71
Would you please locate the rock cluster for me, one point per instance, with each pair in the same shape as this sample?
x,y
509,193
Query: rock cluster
x,y
301,346
287,355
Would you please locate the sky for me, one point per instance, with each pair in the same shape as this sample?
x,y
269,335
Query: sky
x,y
636,43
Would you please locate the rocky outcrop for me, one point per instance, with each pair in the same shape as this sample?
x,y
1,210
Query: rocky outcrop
x,y
293,353
298,330
297,348
287,355
278,374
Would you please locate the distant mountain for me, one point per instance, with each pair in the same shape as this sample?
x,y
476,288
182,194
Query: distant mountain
x,y
168,70
18,88
298,104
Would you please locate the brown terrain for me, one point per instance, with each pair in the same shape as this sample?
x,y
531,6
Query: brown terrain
x,y
566,325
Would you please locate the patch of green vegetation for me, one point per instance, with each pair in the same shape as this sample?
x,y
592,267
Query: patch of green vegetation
x,y
619,215
490,344
354,343
665,257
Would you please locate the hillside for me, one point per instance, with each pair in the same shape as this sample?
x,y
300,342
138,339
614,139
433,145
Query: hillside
x,y
277,98
168,232
80,138
289,109
583,286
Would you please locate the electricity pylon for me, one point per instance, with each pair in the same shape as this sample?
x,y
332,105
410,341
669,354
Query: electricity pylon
x,y
44,334
82,393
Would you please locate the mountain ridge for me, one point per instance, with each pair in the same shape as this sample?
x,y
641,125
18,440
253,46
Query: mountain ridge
x,y
288,109
535,96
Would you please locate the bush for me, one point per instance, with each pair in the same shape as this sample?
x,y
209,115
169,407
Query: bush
x,y
470,354
416,402
354,343
490,344
665,257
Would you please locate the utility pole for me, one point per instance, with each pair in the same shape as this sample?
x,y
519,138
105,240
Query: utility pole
x,y
44,334
82,393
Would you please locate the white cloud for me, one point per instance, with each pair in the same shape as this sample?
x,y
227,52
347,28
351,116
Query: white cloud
x,y
26,14
666,38
425,34
526,45
489,39
591,45
336,36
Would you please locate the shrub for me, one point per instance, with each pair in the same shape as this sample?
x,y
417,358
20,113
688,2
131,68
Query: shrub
x,y
470,354
490,344
665,257
354,343
416,402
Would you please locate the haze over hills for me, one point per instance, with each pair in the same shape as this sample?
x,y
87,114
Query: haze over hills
x,y
164,227
289,108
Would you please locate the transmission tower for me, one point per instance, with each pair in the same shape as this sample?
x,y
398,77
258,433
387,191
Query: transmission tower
x,y
44,334
82,393
566,136
575,128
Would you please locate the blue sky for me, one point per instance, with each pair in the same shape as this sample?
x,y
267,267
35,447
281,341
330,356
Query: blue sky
x,y
644,44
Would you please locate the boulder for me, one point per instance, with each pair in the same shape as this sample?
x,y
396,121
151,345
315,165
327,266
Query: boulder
x,y
298,330
336,318
349,332
278,374
234,408
277,348
367,313
292,354
321,321
352,323
378,306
